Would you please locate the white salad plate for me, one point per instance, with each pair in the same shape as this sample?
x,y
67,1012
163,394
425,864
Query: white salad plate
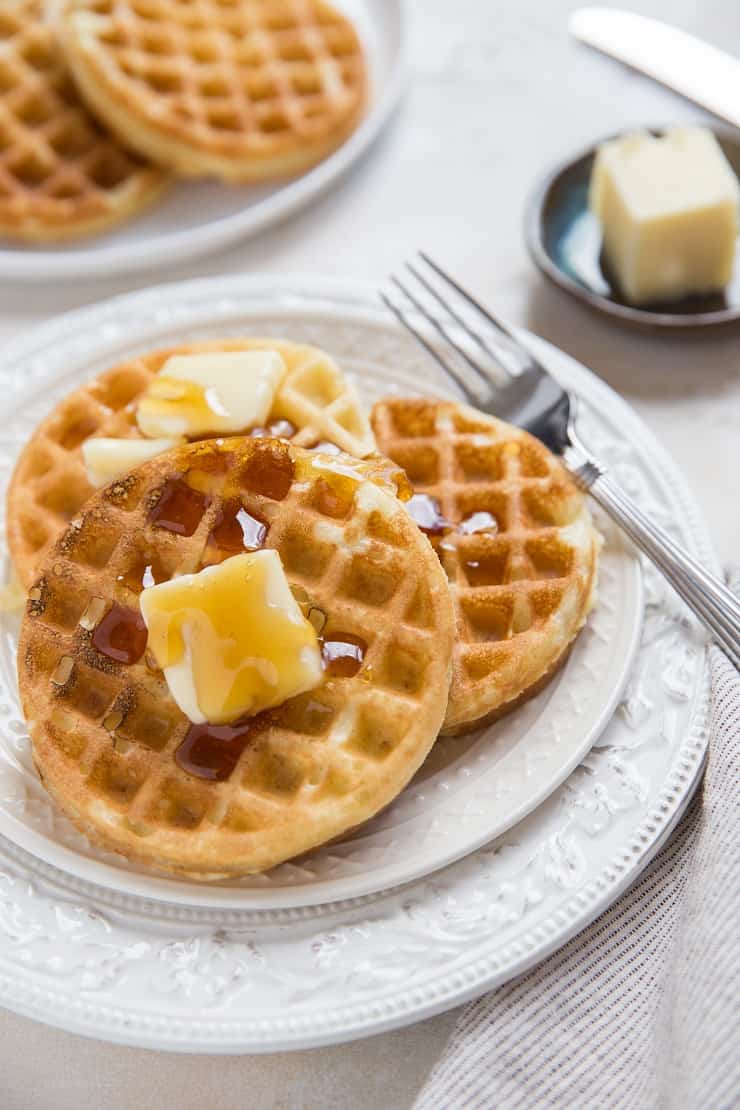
x,y
505,844
195,218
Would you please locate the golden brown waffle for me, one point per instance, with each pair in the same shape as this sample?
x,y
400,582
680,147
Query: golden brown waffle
x,y
514,535
60,174
50,482
107,736
246,90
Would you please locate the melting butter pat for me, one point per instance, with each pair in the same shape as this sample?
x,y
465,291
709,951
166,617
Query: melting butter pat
x,y
231,640
107,458
205,394
668,213
12,597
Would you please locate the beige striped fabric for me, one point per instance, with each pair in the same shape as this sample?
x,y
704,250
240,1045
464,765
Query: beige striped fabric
x,y
640,1010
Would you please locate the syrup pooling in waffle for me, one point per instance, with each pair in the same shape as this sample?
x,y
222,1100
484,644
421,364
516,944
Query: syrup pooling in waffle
x,y
245,90
61,175
316,405
514,536
110,743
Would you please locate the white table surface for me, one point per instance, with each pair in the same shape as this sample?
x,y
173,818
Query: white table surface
x,y
499,93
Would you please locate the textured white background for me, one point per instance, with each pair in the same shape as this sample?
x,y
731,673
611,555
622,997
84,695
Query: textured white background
x,y
499,93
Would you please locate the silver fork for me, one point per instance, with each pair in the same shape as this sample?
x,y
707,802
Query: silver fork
x,y
531,398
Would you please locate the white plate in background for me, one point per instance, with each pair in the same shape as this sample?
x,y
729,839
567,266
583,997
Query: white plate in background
x,y
195,218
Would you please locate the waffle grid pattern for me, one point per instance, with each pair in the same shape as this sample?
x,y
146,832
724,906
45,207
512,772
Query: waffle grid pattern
x,y
60,175
322,403
521,589
50,484
105,734
244,88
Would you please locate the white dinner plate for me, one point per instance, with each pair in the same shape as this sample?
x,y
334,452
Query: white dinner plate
x,y
270,963
470,789
194,218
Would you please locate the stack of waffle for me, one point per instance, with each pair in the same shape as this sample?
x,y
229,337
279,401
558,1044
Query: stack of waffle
x,y
448,552
101,103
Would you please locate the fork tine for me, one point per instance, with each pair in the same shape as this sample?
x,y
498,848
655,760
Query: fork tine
x,y
456,315
485,378
403,319
485,312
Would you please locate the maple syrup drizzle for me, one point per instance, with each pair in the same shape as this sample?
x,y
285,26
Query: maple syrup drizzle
x,y
334,496
478,522
486,571
280,429
212,751
180,508
427,513
342,653
146,570
121,635
269,470
236,530
475,574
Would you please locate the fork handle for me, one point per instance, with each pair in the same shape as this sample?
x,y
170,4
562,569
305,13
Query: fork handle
x,y
708,598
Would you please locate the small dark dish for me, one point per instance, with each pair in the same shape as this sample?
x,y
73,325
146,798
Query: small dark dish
x,y
564,240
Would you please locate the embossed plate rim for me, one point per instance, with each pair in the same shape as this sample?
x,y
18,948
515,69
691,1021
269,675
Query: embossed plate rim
x,y
54,967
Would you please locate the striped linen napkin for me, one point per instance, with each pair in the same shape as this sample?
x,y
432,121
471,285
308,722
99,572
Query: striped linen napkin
x,y
639,1011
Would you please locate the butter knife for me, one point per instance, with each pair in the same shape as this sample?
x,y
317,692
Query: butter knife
x,y
696,70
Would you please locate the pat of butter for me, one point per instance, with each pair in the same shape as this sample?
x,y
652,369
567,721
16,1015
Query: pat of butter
x,y
107,458
206,394
668,213
12,597
231,639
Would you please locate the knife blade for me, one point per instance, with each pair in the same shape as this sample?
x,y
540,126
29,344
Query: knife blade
x,y
700,72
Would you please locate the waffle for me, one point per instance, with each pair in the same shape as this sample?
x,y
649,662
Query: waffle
x,y
50,482
108,737
60,174
245,90
515,538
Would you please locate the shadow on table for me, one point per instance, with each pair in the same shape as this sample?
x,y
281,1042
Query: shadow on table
x,y
638,363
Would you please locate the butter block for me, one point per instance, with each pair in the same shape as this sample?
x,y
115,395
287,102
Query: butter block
x,y
107,458
209,393
231,640
668,209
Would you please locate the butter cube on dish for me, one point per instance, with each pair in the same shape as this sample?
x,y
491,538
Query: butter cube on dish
x,y
668,209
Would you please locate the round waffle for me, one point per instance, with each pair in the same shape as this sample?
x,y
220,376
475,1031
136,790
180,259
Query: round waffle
x,y
107,736
247,90
60,174
50,482
515,538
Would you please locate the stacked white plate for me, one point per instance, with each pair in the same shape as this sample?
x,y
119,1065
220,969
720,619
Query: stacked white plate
x,y
506,843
